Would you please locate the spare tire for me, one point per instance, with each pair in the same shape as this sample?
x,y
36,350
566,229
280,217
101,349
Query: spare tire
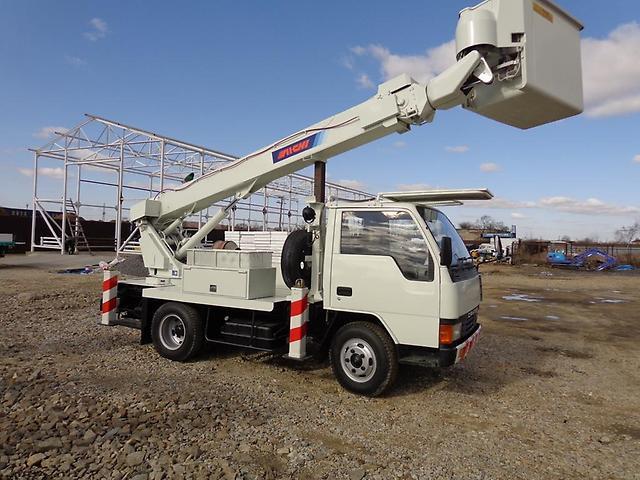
x,y
296,247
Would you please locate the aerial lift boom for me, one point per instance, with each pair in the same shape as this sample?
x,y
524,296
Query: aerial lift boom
x,y
502,71
398,104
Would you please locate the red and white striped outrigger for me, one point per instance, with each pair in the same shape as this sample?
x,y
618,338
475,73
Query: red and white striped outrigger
x,y
109,297
298,323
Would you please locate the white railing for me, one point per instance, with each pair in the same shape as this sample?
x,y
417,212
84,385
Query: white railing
x,y
49,242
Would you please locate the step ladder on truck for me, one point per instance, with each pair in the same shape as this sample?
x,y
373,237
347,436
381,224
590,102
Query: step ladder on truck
x,y
373,283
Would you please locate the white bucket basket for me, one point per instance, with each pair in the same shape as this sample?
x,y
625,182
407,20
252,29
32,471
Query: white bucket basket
x,y
533,47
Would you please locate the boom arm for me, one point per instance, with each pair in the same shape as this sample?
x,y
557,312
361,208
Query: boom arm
x,y
532,51
399,103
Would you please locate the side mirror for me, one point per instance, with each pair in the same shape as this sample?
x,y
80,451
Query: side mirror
x,y
446,252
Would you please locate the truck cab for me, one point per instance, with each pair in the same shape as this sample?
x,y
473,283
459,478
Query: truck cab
x,y
403,266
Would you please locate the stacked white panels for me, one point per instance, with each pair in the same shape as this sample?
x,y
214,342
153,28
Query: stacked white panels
x,y
260,241
247,242
277,243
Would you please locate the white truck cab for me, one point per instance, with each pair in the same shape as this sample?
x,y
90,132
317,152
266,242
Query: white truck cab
x,y
405,265
386,261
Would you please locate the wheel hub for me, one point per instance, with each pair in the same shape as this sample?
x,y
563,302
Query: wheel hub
x,y
358,360
172,332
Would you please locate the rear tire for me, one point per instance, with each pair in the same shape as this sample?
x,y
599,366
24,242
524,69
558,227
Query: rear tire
x,y
177,331
363,358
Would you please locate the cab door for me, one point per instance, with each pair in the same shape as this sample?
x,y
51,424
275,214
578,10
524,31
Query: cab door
x,y
381,264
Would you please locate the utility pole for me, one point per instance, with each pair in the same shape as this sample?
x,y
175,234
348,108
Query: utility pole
x,y
319,181
281,200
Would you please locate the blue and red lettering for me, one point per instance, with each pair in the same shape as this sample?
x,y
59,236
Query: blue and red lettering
x,y
295,148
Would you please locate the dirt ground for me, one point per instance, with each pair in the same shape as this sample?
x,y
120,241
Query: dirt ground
x,y
552,391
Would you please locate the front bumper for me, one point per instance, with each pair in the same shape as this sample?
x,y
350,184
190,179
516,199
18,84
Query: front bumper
x,y
451,355
445,356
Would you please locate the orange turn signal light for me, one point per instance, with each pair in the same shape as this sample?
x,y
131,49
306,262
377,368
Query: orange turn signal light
x,y
449,333
446,334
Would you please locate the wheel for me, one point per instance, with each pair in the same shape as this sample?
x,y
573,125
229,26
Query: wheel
x,y
296,247
364,358
177,331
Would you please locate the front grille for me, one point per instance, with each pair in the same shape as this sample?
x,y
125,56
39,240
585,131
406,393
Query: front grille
x,y
469,321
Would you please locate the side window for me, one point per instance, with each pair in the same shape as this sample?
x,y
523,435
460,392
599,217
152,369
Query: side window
x,y
387,233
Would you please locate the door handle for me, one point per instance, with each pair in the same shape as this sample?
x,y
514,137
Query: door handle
x,y
344,291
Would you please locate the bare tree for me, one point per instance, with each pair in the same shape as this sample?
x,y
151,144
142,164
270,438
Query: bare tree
x,y
628,234
485,223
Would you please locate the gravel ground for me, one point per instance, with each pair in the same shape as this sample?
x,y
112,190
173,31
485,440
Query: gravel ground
x,y
551,391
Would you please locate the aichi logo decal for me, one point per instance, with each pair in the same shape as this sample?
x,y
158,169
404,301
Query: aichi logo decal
x,y
295,148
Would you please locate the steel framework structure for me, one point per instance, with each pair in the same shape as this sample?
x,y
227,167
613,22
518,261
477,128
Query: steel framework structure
x,y
99,146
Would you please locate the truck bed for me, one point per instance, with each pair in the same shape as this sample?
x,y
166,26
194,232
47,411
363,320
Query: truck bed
x,y
175,293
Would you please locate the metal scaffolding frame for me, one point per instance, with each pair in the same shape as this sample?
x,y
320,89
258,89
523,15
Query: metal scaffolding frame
x,y
137,160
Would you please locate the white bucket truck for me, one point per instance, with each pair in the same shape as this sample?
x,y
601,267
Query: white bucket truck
x,y
375,283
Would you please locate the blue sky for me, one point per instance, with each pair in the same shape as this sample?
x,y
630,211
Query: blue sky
x,y
235,76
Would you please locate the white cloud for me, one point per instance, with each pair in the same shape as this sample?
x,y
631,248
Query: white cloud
x,y
98,30
400,144
56,173
364,81
413,187
590,206
347,62
99,24
86,154
422,67
355,184
555,201
614,107
490,167
636,159
518,215
498,202
501,203
587,207
457,149
48,132
75,61
611,72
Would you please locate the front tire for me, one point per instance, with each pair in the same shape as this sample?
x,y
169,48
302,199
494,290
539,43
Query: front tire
x,y
363,358
177,331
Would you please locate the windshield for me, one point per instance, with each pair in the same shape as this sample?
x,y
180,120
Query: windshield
x,y
441,226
